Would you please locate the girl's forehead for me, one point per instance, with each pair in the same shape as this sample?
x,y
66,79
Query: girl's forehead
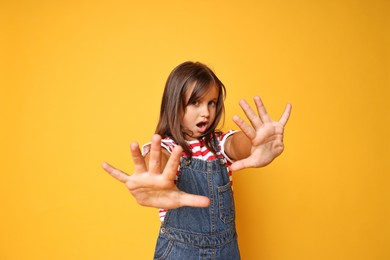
x,y
208,91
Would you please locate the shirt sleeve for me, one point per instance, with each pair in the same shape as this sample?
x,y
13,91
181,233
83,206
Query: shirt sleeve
x,y
167,144
222,141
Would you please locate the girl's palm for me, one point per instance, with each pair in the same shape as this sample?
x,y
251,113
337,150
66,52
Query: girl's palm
x,y
151,187
265,135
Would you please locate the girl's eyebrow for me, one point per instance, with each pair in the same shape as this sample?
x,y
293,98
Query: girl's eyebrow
x,y
211,99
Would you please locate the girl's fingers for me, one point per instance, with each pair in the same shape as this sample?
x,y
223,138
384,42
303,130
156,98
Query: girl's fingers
x,y
193,201
261,110
250,114
138,159
183,199
245,128
238,165
155,155
173,163
117,174
172,199
286,115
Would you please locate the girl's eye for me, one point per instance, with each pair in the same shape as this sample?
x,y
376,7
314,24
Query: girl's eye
x,y
195,103
212,103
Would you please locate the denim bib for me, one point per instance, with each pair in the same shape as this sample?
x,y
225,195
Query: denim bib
x,y
201,233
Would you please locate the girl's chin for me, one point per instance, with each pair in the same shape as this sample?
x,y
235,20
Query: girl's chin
x,y
192,137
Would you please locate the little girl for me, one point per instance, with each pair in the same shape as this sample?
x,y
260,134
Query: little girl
x,y
186,170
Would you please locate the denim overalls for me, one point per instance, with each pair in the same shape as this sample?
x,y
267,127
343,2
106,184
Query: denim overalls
x,y
190,233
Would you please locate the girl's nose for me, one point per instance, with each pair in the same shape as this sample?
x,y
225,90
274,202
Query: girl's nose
x,y
205,111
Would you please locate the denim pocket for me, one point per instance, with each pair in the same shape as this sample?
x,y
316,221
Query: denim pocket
x,y
226,203
163,248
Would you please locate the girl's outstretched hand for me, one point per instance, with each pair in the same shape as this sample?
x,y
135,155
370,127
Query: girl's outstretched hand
x,y
264,134
152,187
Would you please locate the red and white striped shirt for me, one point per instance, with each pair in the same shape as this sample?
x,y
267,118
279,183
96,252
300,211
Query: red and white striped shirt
x,y
199,151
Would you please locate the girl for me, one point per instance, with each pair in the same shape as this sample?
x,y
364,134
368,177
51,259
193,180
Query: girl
x,y
189,179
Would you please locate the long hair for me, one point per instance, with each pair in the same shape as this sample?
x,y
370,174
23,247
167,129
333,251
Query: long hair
x,y
174,103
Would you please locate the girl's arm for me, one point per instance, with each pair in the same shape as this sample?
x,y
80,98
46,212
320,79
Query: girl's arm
x,y
259,143
238,146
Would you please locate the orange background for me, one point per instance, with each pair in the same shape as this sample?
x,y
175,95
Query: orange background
x,y
80,80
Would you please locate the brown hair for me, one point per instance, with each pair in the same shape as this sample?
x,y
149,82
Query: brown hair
x,y
174,103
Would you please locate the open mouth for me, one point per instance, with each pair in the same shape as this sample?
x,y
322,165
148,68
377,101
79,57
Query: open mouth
x,y
202,126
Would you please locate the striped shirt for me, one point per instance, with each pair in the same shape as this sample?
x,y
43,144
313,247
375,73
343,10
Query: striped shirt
x,y
199,151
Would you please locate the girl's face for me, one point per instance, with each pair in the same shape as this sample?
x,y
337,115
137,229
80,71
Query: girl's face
x,y
199,115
